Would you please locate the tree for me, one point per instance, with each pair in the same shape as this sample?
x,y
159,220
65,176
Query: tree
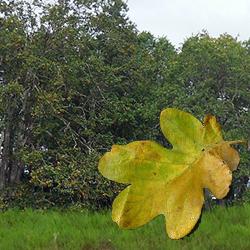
x,y
80,81
14,95
76,77
214,74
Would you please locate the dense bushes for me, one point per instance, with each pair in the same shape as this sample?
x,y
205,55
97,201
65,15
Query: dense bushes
x,y
73,182
79,77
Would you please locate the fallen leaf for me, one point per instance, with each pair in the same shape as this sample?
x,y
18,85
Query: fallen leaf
x,y
171,181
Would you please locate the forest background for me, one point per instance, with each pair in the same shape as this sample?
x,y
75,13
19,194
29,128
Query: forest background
x,y
76,77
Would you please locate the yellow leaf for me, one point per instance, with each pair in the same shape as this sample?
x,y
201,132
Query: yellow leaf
x,y
171,181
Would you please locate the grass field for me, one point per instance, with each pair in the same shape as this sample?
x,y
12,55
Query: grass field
x,y
223,228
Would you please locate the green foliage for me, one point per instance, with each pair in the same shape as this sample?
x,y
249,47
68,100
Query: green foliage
x,y
71,181
78,77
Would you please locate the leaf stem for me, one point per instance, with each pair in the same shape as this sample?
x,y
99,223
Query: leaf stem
x,y
237,142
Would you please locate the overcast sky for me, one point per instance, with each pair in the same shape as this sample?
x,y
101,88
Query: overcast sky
x,y
179,19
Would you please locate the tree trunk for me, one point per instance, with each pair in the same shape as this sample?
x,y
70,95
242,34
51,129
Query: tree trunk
x,y
6,149
14,137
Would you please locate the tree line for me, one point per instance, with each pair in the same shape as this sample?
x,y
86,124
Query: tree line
x,y
76,76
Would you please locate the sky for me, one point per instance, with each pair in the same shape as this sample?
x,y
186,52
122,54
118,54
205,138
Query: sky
x,y
179,19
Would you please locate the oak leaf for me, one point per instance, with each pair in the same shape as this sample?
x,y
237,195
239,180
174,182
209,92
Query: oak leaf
x,y
171,181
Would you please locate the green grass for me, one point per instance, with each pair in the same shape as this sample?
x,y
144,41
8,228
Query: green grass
x,y
220,229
